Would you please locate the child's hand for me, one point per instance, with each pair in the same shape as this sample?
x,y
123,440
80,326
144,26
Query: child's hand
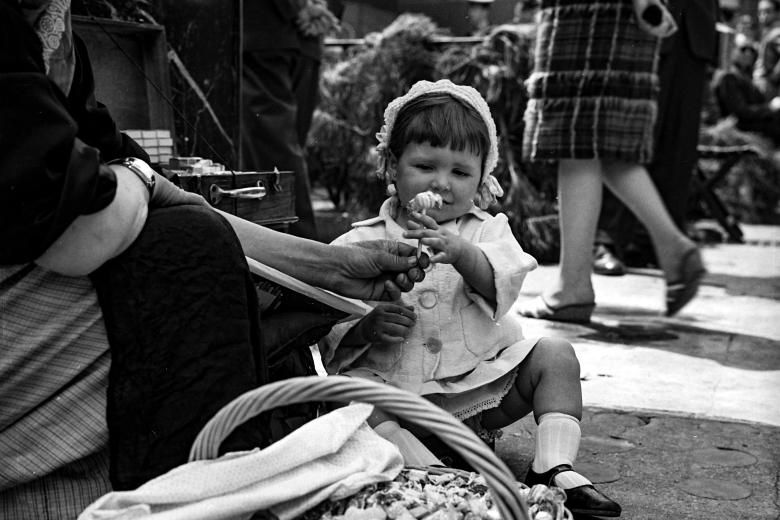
x,y
388,323
447,246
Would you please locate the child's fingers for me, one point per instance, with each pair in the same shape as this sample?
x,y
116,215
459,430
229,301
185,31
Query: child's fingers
x,y
386,338
439,257
425,220
401,314
393,333
422,233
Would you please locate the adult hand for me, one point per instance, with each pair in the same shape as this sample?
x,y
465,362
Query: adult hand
x,y
654,18
167,194
376,269
387,324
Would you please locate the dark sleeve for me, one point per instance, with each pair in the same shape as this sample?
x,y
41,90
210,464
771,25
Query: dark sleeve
x,y
270,24
48,176
96,127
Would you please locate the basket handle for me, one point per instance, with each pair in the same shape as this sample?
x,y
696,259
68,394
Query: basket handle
x,y
401,403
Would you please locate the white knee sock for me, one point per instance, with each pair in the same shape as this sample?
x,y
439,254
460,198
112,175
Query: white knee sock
x,y
413,450
557,442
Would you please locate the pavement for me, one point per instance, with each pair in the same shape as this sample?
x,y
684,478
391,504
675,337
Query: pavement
x,y
682,414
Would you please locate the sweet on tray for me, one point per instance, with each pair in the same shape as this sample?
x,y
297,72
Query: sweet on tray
x,y
436,494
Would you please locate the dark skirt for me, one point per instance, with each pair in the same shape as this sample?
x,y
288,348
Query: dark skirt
x,y
594,88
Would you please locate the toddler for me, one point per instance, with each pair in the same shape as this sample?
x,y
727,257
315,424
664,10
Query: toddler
x,y
452,338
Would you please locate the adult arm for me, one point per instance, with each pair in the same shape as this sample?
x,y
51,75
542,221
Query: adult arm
x,y
93,239
376,270
49,177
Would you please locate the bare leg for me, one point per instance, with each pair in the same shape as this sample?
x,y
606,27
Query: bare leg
x,y
548,380
414,452
579,199
632,184
549,377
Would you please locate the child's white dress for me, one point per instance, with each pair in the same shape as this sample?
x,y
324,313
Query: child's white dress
x,y
463,352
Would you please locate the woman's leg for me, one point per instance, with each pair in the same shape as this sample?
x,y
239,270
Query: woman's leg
x,y
579,200
632,184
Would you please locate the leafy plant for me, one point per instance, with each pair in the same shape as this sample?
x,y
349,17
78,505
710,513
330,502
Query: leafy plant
x,y
356,86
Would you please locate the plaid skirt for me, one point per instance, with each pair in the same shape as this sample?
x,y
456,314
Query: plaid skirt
x,y
594,88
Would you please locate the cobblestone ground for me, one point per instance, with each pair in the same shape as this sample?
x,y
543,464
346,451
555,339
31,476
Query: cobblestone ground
x,y
682,416
660,466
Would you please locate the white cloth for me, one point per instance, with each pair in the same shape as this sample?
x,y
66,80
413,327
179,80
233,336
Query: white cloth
x,y
333,456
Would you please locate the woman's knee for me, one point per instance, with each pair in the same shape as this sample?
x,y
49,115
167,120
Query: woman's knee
x,y
190,229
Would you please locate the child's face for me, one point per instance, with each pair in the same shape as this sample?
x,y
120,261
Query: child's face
x,y
455,175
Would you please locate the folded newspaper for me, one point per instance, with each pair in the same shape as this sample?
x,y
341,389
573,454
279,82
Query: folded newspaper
x,y
276,287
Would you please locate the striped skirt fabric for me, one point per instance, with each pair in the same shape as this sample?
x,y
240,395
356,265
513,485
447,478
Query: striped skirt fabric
x,y
594,88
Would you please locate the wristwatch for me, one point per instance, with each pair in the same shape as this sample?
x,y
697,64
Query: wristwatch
x,y
141,169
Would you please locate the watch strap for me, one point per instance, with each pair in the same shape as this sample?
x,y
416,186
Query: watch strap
x,y
142,170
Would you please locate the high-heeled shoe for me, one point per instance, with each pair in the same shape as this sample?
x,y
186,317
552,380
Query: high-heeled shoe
x,y
682,290
581,500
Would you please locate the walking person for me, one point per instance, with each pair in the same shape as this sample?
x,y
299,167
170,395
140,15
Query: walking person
x,y
592,108
282,48
685,57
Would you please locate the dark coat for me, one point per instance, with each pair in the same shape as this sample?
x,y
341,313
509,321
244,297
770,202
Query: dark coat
x,y
51,145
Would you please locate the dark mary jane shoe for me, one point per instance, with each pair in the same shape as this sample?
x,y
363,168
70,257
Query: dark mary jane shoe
x,y
581,500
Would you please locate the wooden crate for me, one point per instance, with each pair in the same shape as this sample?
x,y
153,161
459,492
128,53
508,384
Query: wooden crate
x,y
265,198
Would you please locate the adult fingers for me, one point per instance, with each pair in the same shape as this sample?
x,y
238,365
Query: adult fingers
x,y
392,290
395,259
404,282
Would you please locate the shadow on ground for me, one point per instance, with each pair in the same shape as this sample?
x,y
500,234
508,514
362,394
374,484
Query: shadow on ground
x,y
640,327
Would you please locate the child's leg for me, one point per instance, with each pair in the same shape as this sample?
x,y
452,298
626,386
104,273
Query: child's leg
x,y
548,380
412,449
548,383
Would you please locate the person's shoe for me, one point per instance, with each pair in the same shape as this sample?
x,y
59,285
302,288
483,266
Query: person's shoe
x,y
581,500
541,310
686,284
606,263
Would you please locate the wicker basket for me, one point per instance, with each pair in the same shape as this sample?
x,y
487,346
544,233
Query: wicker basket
x,y
398,402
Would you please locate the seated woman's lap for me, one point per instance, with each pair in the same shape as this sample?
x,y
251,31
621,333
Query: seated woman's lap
x,y
182,322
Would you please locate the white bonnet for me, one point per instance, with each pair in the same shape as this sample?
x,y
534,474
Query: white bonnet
x,y
489,188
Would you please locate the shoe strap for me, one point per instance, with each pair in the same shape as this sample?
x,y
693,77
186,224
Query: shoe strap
x,y
555,471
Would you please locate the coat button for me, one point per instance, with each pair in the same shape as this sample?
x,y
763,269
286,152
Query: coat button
x,y
428,299
433,345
